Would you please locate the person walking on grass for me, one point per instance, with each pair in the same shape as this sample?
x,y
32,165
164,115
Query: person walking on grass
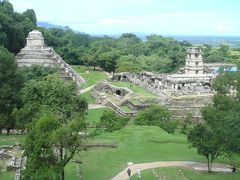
x,y
139,173
129,172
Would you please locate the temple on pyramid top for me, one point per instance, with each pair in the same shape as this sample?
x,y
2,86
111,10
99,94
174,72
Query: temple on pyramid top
x,y
37,53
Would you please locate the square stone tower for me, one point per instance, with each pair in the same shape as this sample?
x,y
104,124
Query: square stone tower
x,y
35,40
194,61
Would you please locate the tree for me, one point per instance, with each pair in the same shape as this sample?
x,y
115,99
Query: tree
x,y
30,13
108,60
38,148
60,96
224,115
111,121
51,144
186,123
10,84
14,27
127,64
220,132
156,115
207,142
36,72
69,141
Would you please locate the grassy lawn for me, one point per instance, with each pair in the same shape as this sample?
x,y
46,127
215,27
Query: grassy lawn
x,y
126,108
88,97
11,139
7,175
136,144
92,77
136,89
93,115
80,69
172,173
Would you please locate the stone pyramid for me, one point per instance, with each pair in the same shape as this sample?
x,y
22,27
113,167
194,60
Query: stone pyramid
x,y
35,52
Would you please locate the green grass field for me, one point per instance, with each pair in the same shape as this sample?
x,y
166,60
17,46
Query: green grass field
x,y
11,139
126,108
80,69
93,115
136,144
88,97
92,77
7,175
174,173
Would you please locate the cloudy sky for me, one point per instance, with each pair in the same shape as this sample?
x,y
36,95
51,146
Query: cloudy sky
x,y
166,17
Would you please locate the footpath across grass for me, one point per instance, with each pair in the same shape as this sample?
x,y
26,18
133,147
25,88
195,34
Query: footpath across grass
x,y
173,173
136,144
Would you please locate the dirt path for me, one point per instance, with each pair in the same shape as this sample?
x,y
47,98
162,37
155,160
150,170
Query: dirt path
x,y
190,164
86,89
95,106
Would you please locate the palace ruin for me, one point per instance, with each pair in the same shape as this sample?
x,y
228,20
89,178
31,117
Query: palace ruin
x,y
182,93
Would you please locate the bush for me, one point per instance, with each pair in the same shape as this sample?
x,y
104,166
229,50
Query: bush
x,y
170,125
111,121
156,115
186,124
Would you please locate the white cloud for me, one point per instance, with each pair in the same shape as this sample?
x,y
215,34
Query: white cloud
x,y
224,28
149,16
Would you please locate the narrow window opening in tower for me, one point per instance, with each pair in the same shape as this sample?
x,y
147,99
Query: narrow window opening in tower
x,y
196,55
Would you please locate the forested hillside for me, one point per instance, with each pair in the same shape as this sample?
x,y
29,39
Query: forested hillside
x,y
126,53
14,26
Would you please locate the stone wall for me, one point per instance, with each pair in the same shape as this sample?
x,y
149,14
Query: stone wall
x,y
104,86
180,101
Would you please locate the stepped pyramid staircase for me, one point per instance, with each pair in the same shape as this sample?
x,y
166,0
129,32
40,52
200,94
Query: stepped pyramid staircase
x,y
35,52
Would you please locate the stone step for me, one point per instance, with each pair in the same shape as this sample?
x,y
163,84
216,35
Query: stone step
x,y
35,55
38,61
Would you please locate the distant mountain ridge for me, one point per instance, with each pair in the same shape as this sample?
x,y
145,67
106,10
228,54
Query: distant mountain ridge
x,y
49,25
233,41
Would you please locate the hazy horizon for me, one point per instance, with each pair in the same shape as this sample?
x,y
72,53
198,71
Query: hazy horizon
x,y
170,18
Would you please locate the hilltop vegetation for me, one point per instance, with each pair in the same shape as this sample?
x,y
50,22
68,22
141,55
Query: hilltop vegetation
x,y
14,26
54,114
125,53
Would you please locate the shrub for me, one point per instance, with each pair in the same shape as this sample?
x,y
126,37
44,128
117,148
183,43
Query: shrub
x,y
111,121
186,123
156,115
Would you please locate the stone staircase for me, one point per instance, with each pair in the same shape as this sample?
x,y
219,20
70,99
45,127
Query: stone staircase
x,y
48,57
35,52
